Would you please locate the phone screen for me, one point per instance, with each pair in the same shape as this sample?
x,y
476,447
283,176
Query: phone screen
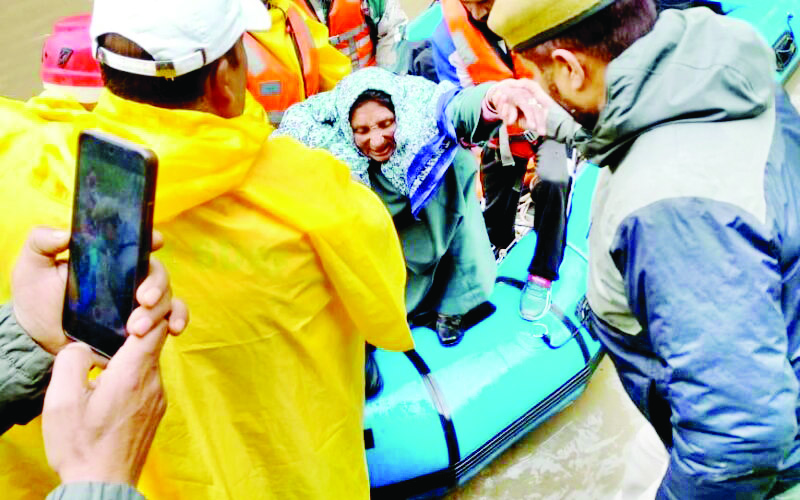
x,y
110,213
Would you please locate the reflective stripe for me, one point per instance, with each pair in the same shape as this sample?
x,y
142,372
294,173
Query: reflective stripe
x,y
363,42
366,61
269,88
348,35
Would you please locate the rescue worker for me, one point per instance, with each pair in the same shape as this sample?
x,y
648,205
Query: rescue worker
x,y
694,246
267,390
368,32
292,60
467,53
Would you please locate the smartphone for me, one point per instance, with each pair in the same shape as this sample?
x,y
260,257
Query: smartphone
x,y
109,248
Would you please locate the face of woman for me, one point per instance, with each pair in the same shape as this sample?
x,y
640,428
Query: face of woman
x,y
373,127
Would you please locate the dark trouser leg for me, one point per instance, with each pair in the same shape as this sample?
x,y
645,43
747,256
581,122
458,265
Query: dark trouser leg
x,y
501,189
550,223
550,210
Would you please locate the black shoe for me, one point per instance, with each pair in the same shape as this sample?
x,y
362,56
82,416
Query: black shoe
x,y
448,328
374,379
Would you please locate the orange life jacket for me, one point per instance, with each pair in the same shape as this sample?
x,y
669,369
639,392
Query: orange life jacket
x,y
349,31
484,65
274,85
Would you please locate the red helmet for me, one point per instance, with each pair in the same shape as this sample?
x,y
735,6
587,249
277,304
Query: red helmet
x,y
67,62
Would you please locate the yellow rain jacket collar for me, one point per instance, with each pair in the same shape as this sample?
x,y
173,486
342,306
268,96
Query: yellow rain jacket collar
x,y
202,157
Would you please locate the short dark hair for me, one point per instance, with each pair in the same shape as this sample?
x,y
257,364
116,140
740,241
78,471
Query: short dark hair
x,y
378,96
605,34
172,93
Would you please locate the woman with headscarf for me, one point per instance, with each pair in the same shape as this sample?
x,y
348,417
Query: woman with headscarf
x,y
393,133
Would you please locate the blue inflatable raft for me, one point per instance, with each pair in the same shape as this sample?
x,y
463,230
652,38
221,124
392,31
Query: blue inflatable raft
x,y
446,412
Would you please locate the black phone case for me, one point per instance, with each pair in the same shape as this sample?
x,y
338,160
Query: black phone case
x,y
101,338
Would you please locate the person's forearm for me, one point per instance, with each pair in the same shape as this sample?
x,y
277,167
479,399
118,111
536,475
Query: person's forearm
x,y
24,372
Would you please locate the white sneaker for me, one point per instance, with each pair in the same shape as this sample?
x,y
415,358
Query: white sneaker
x,y
535,300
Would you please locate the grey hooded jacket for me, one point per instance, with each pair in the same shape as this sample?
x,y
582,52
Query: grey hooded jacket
x,y
694,280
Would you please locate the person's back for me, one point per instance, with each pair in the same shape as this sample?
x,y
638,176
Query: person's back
x,y
287,264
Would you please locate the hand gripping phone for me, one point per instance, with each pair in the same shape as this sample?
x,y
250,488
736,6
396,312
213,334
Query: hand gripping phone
x,y
109,249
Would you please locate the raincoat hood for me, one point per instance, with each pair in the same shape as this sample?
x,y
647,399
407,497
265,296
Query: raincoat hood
x,y
425,140
687,69
203,157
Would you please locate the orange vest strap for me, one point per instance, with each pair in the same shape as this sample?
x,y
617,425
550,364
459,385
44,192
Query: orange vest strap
x,y
309,58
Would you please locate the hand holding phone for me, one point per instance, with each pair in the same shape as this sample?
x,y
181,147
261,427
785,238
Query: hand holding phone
x,y
110,241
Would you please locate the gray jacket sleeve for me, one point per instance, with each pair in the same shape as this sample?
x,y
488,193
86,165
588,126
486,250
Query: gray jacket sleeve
x,y
95,491
561,127
24,372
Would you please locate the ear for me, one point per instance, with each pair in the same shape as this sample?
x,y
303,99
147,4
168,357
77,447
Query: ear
x,y
221,92
569,70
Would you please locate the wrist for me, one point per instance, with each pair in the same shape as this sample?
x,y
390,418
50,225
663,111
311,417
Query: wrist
x,y
50,339
94,472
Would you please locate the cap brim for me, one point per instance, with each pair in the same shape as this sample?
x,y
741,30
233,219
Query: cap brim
x,y
256,16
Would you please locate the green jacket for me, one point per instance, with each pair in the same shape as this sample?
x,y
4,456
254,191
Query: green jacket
x,y
24,372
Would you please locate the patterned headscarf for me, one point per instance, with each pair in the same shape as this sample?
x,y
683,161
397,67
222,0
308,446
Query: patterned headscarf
x,y
424,138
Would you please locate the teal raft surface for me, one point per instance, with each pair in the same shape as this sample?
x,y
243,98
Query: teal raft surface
x,y
445,412
778,21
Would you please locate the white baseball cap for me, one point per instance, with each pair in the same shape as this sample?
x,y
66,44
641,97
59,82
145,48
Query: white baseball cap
x,y
181,35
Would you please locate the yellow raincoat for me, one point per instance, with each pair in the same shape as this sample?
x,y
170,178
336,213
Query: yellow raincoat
x,y
288,266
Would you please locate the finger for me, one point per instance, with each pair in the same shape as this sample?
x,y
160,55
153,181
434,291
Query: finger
x,y
508,112
154,286
143,318
99,360
70,372
62,268
140,352
531,111
179,317
46,242
158,240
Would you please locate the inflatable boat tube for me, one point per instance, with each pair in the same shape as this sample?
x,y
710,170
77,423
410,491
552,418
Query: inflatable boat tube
x,y
445,412
779,22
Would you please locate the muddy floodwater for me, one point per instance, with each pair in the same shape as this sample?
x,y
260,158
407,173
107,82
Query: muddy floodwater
x,y
598,448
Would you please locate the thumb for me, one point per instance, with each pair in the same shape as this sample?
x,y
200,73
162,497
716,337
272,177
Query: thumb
x,y
70,373
46,242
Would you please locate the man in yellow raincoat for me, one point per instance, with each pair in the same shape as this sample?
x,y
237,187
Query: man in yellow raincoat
x,y
288,265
